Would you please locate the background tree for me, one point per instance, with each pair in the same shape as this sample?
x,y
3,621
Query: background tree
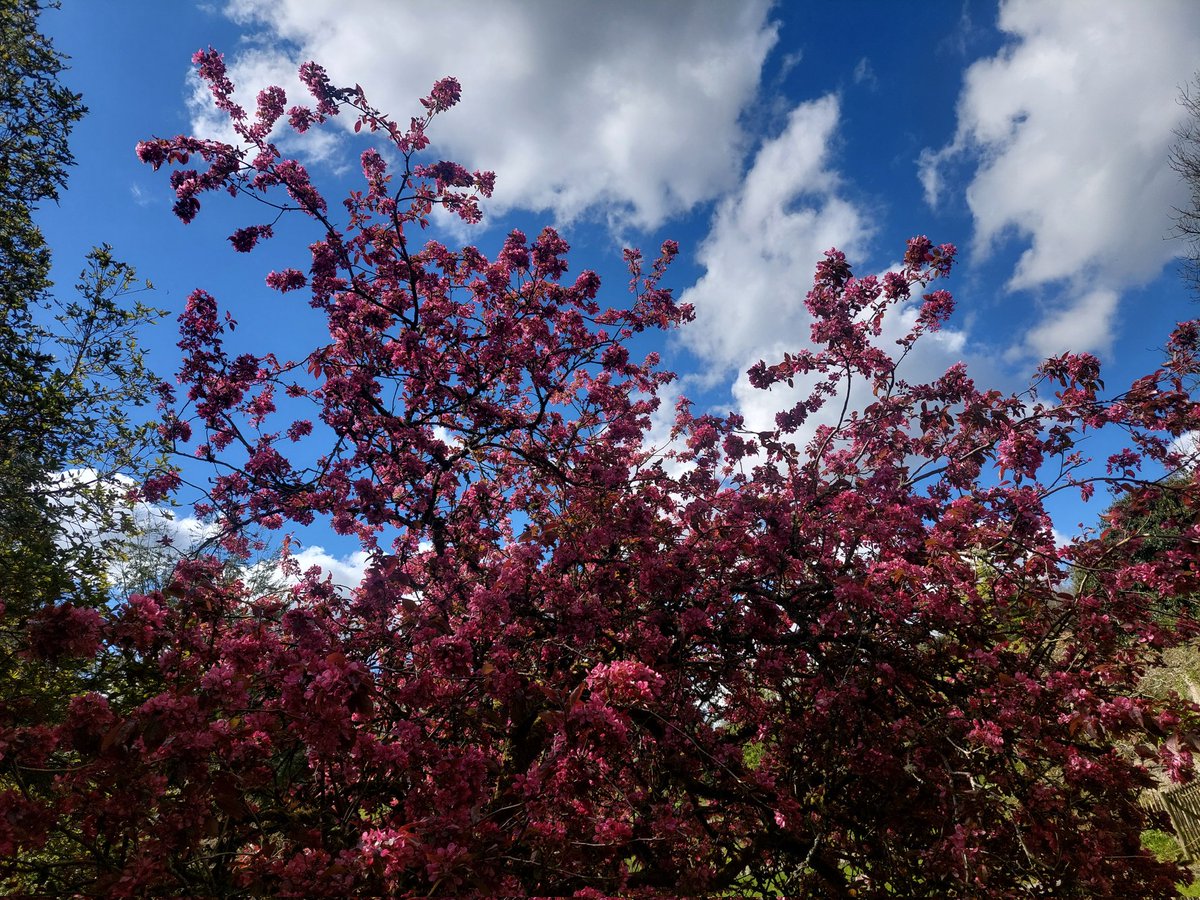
x,y
1150,524
1185,159
71,377
576,665
1154,527
71,372
37,115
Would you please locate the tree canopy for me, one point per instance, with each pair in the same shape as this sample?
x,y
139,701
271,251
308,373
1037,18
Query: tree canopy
x,y
748,662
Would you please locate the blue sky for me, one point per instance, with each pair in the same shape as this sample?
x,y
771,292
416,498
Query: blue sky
x,y
1033,135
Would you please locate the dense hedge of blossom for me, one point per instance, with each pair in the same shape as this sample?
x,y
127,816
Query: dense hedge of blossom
x,y
579,665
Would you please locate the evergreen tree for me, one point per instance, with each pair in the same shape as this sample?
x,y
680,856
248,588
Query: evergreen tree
x,y
71,376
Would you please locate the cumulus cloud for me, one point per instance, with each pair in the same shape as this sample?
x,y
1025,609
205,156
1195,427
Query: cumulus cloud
x,y
140,542
759,256
1068,129
92,505
1187,446
765,241
256,68
345,571
628,104
1085,322
162,538
143,541
931,356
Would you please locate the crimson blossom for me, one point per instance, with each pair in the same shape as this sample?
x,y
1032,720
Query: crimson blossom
x,y
752,662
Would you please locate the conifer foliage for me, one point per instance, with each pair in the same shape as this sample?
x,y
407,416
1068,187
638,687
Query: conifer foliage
x,y
71,375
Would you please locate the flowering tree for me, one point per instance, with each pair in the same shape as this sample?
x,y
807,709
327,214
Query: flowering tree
x,y
581,665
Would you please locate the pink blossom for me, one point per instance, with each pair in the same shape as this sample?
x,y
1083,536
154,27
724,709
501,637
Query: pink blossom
x,y
445,94
64,630
287,280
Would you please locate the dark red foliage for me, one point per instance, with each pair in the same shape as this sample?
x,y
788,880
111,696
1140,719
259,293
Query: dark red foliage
x,y
580,665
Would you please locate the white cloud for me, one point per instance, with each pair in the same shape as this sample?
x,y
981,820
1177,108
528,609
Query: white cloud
x,y
255,69
1083,323
345,571
930,357
93,506
1187,445
140,542
628,104
145,540
759,258
1061,539
765,241
789,62
1069,128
